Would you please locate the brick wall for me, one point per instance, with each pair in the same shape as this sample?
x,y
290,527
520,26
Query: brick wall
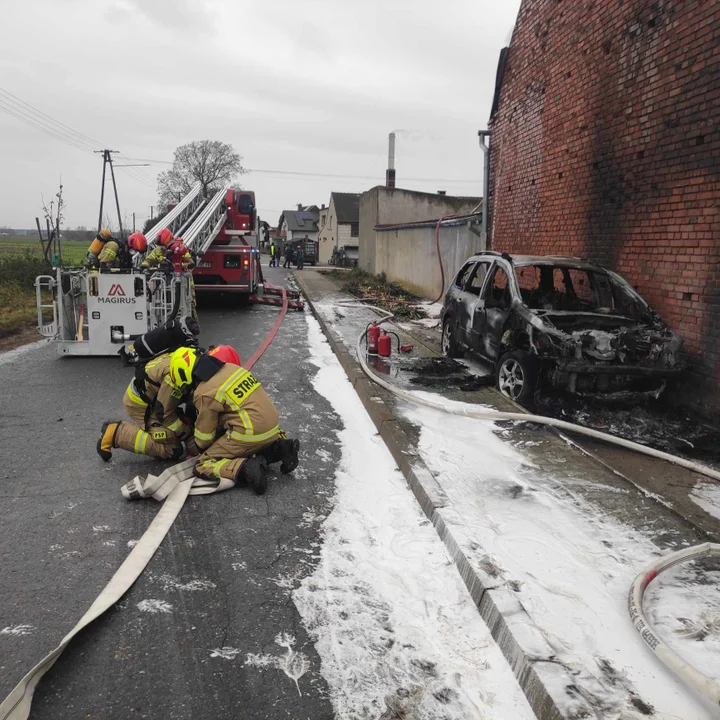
x,y
606,145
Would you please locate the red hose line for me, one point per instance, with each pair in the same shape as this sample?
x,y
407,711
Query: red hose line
x,y
271,335
437,247
442,269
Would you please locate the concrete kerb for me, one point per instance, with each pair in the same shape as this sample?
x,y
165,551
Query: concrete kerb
x,y
544,681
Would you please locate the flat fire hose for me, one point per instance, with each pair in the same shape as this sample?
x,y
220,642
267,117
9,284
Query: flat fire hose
x,y
173,485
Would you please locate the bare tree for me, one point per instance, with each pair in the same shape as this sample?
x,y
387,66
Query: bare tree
x,y
209,162
53,218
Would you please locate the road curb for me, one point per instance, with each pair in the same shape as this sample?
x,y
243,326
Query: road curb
x,y
547,685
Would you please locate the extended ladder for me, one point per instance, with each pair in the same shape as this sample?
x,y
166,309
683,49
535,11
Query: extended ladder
x,y
181,215
200,235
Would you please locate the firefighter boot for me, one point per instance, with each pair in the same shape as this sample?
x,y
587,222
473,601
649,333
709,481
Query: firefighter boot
x,y
254,472
107,438
290,460
283,451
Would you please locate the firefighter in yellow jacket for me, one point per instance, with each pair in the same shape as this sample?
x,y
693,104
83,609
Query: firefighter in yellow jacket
x,y
236,428
151,401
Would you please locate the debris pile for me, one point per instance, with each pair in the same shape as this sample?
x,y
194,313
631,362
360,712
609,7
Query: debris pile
x,y
380,291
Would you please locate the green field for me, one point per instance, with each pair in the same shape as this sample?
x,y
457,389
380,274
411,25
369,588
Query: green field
x,y
21,261
73,251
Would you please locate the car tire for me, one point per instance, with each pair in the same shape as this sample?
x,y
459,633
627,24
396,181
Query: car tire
x,y
517,376
450,346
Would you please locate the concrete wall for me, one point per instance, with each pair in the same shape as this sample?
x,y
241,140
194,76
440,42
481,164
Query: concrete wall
x,y
385,206
605,144
409,256
368,220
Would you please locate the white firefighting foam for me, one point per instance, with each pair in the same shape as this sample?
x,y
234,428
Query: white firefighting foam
x,y
570,566
391,620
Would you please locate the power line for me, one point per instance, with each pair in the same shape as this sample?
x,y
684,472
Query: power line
x,y
35,111
29,114
264,171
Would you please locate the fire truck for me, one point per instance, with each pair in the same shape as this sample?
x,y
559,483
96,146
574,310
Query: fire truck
x,y
230,264
90,311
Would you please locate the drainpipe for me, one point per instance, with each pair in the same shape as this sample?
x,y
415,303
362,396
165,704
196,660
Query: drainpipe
x,y
482,134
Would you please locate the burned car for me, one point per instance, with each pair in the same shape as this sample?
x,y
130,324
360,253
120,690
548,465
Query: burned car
x,y
561,321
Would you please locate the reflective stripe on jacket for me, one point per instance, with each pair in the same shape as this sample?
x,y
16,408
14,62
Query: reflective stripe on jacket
x,y
233,401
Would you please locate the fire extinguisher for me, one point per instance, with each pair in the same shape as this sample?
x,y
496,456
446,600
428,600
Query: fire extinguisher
x,y
373,333
384,345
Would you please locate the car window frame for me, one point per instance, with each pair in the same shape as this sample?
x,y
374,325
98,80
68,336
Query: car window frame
x,y
461,288
512,282
471,277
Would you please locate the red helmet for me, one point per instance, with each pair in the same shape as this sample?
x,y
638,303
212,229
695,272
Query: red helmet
x,y
137,241
177,248
164,237
226,354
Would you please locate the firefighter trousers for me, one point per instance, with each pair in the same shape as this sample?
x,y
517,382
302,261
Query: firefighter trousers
x,y
134,436
224,458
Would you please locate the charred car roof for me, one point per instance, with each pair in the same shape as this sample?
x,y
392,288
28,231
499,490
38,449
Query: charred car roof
x,y
552,260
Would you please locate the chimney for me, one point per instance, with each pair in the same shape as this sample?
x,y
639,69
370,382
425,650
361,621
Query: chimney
x,y
323,206
300,207
442,192
390,172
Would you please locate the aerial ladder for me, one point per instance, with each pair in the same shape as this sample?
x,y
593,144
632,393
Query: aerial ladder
x,y
87,311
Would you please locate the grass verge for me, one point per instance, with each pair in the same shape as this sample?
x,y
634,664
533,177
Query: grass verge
x,y
17,290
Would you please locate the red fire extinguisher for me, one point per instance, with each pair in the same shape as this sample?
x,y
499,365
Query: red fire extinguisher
x,y
373,333
384,345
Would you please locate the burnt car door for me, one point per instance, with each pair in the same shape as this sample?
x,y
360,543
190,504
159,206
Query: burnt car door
x,y
489,322
475,319
456,301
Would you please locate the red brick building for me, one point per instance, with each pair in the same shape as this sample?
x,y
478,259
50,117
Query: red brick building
x,y
606,145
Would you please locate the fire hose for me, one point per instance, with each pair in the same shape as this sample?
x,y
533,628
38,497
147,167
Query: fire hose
x,y
703,684
706,686
176,483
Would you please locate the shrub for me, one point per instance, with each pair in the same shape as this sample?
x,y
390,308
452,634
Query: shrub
x,y
21,269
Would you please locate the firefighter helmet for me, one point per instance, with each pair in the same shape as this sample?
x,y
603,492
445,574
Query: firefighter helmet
x,y
182,362
164,237
177,248
226,354
105,234
137,241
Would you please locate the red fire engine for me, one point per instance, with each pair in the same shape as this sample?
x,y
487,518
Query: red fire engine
x,y
231,264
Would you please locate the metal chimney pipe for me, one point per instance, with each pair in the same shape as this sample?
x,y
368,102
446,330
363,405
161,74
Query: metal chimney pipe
x,y
390,172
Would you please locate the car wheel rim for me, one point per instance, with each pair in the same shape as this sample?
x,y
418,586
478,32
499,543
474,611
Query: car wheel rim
x,y
446,339
512,379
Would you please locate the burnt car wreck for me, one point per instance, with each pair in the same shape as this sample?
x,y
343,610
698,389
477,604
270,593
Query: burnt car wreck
x,y
558,321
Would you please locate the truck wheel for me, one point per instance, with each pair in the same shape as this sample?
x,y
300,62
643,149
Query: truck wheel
x,y
517,376
450,346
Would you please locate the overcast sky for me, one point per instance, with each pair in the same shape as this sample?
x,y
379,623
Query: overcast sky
x,y
298,86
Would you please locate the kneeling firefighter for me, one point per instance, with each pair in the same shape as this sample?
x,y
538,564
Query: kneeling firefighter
x,y
151,400
236,428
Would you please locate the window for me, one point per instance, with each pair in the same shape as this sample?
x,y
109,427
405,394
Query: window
x,y
497,293
354,229
231,261
477,278
464,275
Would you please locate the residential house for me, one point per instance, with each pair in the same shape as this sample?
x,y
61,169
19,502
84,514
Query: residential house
x,y
295,225
339,224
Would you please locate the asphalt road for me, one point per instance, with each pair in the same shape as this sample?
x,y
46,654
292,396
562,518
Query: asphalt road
x,y
221,579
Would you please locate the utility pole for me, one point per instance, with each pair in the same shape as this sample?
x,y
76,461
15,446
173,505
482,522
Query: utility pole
x,y
151,212
107,160
133,222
